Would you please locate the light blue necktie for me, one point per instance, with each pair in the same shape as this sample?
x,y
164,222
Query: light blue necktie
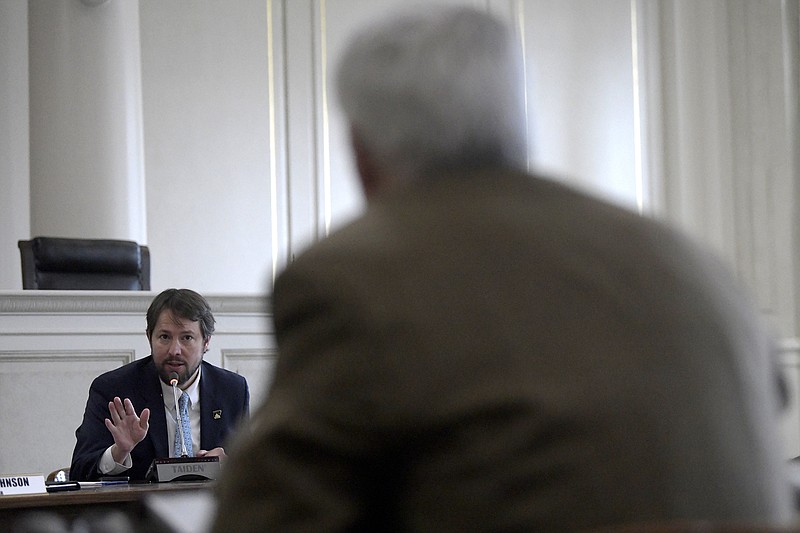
x,y
183,420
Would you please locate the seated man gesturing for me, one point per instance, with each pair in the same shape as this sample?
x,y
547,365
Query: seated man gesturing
x,y
114,440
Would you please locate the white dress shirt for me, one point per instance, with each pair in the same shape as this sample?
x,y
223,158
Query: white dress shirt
x,y
108,466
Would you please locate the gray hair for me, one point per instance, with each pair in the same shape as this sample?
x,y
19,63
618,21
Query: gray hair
x,y
438,90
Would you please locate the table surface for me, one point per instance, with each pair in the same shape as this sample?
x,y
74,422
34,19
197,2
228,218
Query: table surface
x,y
94,495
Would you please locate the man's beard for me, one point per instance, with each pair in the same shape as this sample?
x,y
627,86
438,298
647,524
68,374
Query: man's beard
x,y
183,376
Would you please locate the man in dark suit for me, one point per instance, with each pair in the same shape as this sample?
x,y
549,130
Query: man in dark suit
x,y
486,350
114,440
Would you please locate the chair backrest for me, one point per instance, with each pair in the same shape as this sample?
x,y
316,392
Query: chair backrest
x,y
84,264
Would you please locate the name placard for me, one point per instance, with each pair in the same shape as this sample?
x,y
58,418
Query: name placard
x,y
183,469
22,484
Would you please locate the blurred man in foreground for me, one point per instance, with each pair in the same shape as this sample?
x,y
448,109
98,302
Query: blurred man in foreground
x,y
486,350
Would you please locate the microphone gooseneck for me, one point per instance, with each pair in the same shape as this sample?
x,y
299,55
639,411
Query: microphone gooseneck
x,y
173,380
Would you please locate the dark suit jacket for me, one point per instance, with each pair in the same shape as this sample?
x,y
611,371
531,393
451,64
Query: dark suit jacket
x,y
220,390
497,352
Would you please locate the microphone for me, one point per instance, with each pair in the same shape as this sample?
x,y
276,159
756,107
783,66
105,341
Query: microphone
x,y
173,380
183,468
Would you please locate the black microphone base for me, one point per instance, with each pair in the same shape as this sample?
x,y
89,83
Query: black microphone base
x,y
183,469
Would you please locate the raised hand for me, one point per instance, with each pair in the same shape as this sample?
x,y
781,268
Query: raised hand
x,y
126,427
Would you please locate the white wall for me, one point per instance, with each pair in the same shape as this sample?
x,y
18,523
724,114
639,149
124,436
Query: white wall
x,y
580,85
246,159
86,165
206,137
14,138
579,89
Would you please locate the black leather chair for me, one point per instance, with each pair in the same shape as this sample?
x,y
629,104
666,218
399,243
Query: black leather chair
x,y
84,264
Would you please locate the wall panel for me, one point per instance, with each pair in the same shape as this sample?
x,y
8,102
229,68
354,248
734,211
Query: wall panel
x,y
44,394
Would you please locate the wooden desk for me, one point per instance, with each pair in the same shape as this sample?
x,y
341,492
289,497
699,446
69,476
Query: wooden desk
x,y
70,504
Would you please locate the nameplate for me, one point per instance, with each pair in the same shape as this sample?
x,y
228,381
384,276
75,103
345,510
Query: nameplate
x,y
22,485
183,469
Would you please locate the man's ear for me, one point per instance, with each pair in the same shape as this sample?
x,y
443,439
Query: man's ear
x,y
205,343
368,172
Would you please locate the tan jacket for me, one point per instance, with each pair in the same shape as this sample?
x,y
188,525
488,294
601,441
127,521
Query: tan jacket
x,y
497,352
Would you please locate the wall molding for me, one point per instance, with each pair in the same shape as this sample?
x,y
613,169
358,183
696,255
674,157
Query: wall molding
x,y
246,354
789,350
50,356
113,302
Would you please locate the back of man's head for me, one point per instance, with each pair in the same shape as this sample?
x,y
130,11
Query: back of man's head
x,y
432,91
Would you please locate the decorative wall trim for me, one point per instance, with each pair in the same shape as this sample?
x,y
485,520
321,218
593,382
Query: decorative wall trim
x,y
789,350
50,356
110,302
257,365
229,355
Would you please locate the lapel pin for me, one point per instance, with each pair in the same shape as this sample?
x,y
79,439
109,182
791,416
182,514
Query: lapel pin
x,y
216,415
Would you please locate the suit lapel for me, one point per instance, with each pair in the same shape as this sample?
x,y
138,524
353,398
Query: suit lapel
x,y
209,425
